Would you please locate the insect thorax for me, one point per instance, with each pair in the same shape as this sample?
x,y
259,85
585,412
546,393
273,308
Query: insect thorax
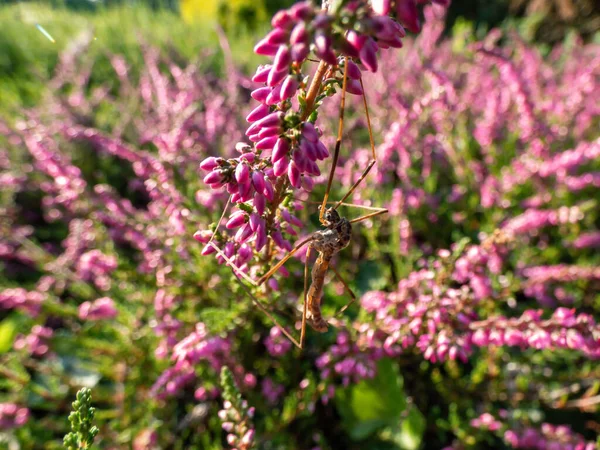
x,y
334,238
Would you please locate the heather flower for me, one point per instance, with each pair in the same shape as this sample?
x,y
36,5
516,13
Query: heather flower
x,y
286,142
559,437
587,240
145,440
36,342
18,298
96,266
486,421
100,309
271,391
12,416
277,344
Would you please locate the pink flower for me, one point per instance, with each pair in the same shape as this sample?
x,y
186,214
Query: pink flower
x,y
100,309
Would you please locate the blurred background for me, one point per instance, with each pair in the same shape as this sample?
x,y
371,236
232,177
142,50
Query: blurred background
x,y
101,101
29,56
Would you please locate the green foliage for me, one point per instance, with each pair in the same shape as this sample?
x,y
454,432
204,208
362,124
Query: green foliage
x,y
380,405
83,432
8,330
28,57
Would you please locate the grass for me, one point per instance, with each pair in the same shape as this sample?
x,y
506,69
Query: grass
x,y
28,57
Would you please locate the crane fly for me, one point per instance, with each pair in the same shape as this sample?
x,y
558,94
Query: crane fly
x,y
327,242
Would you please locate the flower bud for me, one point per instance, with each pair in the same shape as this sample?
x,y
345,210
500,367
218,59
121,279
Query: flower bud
x,y
308,149
237,219
209,163
307,184
203,236
213,177
368,55
299,34
408,14
267,143
262,72
299,52
353,70
242,173
356,40
282,19
275,96
258,180
261,94
322,152
354,87
254,221
208,250
259,202
272,120
261,239
269,192
248,157
243,234
282,59
264,48
323,48
288,88
271,131
277,36
294,174
244,254
276,76
280,166
258,113
280,149
301,11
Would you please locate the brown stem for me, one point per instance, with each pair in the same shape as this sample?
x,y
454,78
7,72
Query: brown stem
x,y
314,89
283,183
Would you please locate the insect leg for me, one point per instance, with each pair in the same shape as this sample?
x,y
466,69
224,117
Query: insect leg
x,y
236,270
280,263
260,306
368,216
338,142
347,288
210,241
304,298
374,156
256,301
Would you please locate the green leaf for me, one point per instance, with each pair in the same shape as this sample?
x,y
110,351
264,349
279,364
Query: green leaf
x,y
410,432
371,276
218,320
8,330
372,404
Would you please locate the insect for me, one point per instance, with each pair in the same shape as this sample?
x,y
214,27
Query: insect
x,y
327,242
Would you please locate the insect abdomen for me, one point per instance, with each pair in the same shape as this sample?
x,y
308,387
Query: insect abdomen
x,y
315,293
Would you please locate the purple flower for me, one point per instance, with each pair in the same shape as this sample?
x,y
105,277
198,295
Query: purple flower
x,y
100,309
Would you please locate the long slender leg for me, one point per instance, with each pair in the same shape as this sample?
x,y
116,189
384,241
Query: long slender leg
x,y
219,222
280,263
373,161
368,208
260,306
256,301
345,307
377,212
304,298
236,270
368,216
338,142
